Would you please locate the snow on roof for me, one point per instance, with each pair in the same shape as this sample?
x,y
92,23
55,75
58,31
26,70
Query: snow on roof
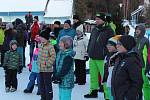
x,y
22,5
59,8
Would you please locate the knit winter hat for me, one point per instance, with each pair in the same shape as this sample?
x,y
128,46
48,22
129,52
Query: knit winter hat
x,y
36,17
76,17
101,15
57,22
67,40
45,34
128,42
12,42
113,40
68,22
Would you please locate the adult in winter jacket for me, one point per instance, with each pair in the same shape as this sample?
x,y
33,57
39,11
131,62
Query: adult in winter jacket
x,y
21,40
67,30
142,49
29,20
97,51
80,47
2,30
126,82
35,29
2,36
56,32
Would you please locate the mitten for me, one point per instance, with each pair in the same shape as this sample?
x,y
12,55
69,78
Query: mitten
x,y
86,58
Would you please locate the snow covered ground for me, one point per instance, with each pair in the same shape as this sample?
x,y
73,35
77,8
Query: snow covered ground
x,y
77,93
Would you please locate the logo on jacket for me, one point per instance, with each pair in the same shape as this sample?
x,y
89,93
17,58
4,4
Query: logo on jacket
x,y
122,64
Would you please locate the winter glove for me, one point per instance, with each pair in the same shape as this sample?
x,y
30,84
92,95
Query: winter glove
x,y
86,58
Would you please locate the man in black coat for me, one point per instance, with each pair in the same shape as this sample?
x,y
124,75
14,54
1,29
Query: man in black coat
x,y
97,51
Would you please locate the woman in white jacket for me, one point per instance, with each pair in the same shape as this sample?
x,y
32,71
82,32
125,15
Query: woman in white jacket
x,y
80,47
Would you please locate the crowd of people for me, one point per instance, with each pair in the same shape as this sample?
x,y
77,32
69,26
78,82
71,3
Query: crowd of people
x,y
119,64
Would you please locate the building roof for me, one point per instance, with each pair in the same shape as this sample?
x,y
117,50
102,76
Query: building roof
x,y
22,5
59,8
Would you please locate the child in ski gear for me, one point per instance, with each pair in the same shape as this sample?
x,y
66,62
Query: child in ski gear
x,y
64,71
12,62
34,74
142,49
46,58
111,46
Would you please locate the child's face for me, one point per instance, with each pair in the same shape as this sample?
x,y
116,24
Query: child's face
x,y
111,48
120,48
61,45
138,31
43,40
14,47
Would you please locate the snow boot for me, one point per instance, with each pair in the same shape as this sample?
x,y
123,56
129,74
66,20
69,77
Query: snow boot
x,y
7,89
13,89
27,91
93,94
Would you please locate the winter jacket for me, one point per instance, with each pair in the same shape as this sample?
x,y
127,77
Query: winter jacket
x,y
29,19
1,36
106,66
126,76
35,29
46,57
80,47
97,44
142,45
65,69
12,60
35,67
113,26
20,36
70,32
9,35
